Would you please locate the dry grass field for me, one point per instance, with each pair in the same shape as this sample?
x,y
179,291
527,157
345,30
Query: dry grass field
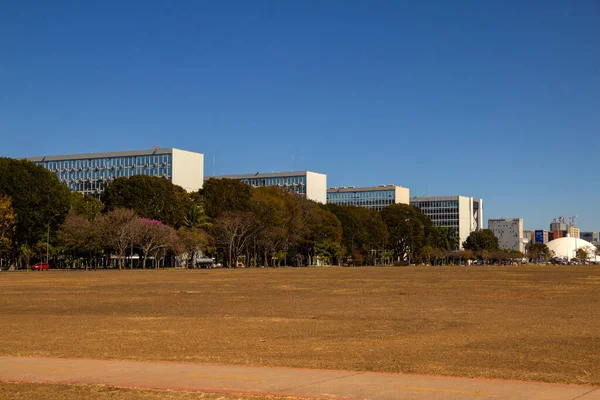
x,y
527,323
28,391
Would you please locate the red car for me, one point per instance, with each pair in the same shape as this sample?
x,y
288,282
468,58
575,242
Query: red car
x,y
40,266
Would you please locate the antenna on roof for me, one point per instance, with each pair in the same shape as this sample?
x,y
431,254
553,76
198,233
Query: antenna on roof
x,y
292,161
156,148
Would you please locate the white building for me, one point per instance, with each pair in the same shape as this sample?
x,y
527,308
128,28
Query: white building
x,y
372,197
509,232
311,185
90,173
462,214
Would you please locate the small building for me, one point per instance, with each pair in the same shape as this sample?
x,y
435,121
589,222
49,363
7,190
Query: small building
x,y
509,232
372,197
90,173
311,185
541,236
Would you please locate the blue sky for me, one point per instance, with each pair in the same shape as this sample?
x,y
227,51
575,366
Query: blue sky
x,y
493,100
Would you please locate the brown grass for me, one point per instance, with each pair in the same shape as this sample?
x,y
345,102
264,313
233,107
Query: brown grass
x,y
28,391
526,323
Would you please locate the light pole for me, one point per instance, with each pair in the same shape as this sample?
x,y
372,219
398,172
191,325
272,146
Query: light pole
x,y
48,235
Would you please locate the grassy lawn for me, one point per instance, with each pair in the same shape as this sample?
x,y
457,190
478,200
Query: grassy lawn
x,y
527,323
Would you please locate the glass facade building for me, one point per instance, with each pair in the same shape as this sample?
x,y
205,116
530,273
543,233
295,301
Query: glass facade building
x,y
461,214
310,185
441,212
90,173
374,198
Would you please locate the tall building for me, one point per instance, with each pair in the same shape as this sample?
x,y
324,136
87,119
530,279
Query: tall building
x,y
372,197
509,232
90,173
589,236
462,214
311,185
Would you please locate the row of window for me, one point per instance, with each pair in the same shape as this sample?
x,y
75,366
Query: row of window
x,y
276,181
109,162
362,202
164,172
435,204
360,195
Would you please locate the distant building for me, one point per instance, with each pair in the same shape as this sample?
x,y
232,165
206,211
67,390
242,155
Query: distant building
x,y
542,236
558,224
589,236
373,197
310,185
90,173
462,214
509,232
573,232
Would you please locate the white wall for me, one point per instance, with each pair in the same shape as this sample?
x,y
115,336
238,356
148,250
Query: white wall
x,y
466,224
402,195
316,187
509,232
188,169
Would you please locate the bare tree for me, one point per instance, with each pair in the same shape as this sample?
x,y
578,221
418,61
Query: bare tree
x,y
151,236
117,231
233,231
190,242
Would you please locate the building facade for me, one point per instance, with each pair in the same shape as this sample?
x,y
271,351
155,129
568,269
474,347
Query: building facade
x,y
509,232
310,185
460,213
589,236
541,236
373,197
90,173
573,232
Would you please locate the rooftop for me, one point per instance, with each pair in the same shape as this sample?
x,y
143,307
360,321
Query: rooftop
x,y
259,175
352,189
89,156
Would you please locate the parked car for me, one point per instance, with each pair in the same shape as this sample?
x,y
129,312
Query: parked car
x,y
40,266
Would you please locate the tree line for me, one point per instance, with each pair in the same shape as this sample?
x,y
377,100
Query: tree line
x,y
161,224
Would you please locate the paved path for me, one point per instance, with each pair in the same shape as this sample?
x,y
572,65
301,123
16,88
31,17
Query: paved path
x,y
279,381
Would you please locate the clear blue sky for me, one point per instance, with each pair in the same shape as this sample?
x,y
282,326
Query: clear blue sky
x,y
498,100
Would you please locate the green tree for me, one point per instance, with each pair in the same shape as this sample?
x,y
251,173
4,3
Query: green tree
x,y
444,238
409,230
224,195
279,226
322,232
86,206
362,230
80,236
581,254
39,200
150,197
482,240
539,251
7,225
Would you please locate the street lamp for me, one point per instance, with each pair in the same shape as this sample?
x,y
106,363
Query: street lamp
x,y
48,235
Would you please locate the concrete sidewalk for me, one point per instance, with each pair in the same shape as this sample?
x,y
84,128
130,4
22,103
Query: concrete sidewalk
x,y
279,381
